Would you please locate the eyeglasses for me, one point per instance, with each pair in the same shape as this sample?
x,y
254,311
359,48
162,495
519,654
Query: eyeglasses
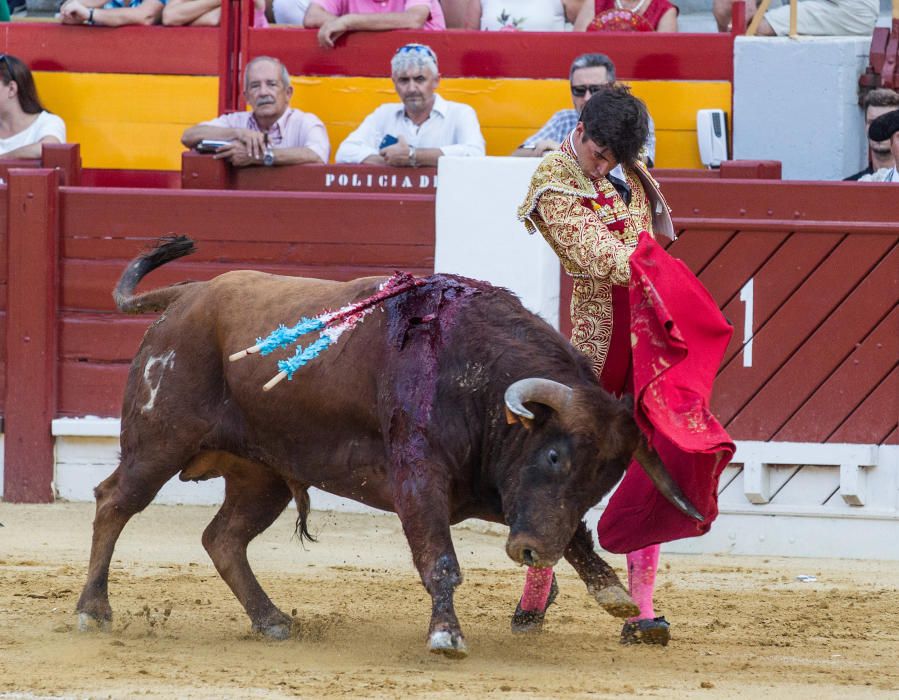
x,y
5,61
417,48
581,90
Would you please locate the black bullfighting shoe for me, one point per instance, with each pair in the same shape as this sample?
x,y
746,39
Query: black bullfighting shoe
x,y
653,631
532,620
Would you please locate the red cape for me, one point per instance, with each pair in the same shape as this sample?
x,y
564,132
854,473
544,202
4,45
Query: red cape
x,y
678,338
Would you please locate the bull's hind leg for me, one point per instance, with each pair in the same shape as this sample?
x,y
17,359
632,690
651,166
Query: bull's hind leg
x,y
602,581
128,490
254,498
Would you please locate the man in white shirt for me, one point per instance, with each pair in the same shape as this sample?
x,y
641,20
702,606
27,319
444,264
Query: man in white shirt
x,y
886,128
422,128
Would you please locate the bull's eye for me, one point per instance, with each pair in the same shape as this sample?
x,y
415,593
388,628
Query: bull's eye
x,y
553,457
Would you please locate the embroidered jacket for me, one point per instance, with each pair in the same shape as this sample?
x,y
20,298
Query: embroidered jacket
x,y
594,232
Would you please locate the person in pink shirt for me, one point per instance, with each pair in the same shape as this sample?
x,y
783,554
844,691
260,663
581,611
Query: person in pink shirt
x,y
273,133
334,18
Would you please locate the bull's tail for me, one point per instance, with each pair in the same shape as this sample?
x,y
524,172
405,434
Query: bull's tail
x,y
301,497
168,249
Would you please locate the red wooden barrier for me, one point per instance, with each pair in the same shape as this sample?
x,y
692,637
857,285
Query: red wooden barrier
x,y
647,56
65,157
816,266
330,235
203,172
822,295
46,46
31,334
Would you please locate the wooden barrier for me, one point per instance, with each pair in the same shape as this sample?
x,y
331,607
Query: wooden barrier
x,y
203,172
815,361
64,157
811,290
31,334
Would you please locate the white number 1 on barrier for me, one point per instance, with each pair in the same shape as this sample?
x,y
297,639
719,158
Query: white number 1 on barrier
x,y
746,298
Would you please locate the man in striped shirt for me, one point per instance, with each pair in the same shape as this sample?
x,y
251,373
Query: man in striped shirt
x,y
588,73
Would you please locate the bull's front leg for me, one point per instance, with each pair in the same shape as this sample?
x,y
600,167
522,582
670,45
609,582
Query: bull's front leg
x,y
424,512
602,581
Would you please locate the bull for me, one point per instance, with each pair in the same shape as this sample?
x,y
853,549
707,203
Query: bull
x,y
450,401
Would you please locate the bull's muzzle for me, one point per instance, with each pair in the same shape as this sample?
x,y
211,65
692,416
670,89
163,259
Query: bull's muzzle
x,y
523,549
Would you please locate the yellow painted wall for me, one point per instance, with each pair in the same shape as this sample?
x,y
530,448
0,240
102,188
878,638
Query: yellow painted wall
x,y
136,121
128,122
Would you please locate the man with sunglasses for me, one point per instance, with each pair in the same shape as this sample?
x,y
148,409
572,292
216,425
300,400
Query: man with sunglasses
x,y
420,129
648,328
588,73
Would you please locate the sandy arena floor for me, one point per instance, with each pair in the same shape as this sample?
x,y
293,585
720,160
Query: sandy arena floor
x,y
742,627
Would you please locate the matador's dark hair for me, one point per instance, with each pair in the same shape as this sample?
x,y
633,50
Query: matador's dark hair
x,y
614,118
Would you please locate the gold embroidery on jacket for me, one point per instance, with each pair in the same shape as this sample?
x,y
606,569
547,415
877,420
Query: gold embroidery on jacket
x,y
587,242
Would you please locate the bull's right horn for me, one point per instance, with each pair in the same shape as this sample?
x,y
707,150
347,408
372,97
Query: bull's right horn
x,y
648,459
555,395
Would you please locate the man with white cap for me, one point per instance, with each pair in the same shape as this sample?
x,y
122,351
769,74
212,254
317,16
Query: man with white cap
x,y
421,128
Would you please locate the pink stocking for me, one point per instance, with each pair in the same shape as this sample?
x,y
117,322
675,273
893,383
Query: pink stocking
x,y
641,579
536,589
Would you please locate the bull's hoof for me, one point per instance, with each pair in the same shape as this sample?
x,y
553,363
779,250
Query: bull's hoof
x,y
450,644
279,631
89,623
615,601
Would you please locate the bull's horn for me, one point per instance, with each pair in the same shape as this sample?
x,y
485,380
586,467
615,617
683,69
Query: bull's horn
x,y
667,486
553,394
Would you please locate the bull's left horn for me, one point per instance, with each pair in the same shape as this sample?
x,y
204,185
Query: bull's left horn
x,y
667,486
553,394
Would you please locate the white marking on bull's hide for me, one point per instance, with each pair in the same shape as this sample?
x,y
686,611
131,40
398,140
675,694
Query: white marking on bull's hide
x,y
165,362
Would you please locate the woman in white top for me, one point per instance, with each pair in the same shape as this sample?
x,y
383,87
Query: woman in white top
x,y
24,123
522,15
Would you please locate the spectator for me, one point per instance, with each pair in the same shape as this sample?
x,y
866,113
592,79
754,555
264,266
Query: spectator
x,y
625,289
114,13
337,17
195,13
204,13
877,102
886,129
273,133
454,13
290,11
627,15
420,129
813,17
588,73
24,123
522,15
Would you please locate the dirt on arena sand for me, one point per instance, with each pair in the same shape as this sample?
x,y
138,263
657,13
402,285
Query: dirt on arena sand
x,y
741,627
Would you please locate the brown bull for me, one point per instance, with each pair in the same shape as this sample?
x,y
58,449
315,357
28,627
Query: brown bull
x,y
407,413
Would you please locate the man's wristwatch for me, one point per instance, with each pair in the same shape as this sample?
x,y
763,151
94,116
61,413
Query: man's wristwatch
x,y
412,156
269,157
90,16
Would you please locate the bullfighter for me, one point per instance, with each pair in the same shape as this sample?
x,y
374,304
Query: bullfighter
x,y
649,328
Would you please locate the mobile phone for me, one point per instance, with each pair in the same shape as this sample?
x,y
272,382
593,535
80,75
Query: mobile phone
x,y
210,145
388,140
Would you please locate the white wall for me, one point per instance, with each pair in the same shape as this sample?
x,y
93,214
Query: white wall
x,y
806,512
479,236
796,101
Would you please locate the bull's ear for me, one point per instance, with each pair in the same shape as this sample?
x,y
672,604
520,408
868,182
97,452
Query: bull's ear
x,y
513,418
